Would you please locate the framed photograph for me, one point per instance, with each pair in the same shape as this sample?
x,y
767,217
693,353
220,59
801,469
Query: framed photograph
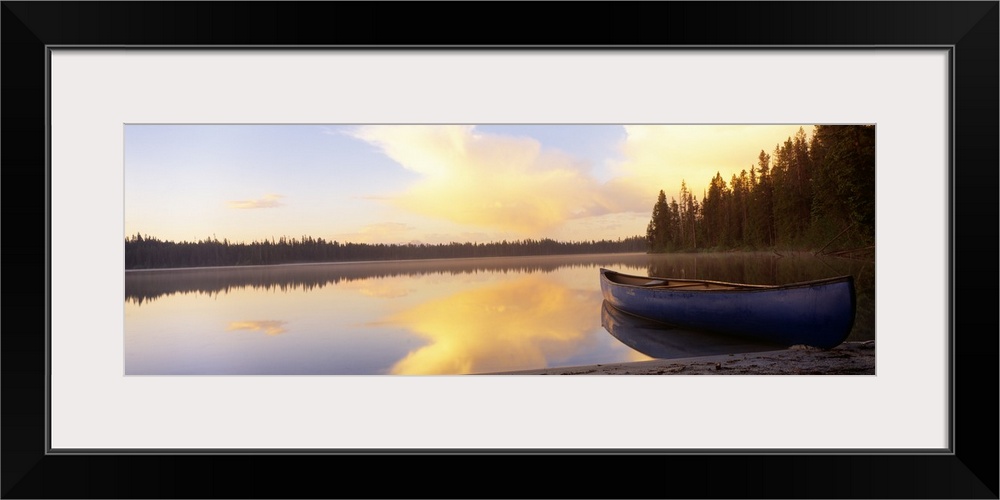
x,y
217,137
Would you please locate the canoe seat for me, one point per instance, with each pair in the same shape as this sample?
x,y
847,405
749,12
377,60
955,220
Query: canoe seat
x,y
655,283
688,285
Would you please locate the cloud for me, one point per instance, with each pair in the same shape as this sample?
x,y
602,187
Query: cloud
x,y
606,227
268,201
486,180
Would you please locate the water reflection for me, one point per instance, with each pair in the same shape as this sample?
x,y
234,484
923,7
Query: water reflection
x,y
269,327
384,290
657,340
515,325
147,285
425,317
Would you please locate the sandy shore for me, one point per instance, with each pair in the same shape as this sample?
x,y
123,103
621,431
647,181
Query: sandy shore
x,y
849,358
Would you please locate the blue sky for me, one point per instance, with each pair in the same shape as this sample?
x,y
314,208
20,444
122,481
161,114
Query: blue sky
x,y
421,183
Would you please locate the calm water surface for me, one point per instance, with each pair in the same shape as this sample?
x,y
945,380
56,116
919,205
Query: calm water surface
x,y
440,317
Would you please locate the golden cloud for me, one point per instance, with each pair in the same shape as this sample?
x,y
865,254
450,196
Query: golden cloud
x,y
268,201
500,182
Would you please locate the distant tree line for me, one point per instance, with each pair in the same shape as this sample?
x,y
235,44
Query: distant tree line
x,y
806,194
148,252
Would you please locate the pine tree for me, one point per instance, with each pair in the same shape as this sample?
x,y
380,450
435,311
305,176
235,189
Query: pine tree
x,y
763,196
658,230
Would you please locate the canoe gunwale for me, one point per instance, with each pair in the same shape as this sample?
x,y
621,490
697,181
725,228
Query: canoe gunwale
x,y
724,286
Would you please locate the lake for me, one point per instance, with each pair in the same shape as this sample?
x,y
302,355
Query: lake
x,y
428,317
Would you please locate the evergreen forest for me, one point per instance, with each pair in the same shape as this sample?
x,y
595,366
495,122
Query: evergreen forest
x,y
808,194
147,252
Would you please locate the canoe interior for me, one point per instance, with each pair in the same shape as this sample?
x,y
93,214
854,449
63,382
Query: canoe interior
x,y
694,285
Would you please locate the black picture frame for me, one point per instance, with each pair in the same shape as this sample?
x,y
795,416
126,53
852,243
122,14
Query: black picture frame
x,y
969,28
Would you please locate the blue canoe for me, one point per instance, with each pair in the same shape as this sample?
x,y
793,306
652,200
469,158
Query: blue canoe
x,y
816,313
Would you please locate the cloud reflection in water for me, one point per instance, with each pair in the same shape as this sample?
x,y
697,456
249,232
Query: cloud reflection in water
x,y
270,327
514,325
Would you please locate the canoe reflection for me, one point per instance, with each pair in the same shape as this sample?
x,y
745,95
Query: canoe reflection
x,y
663,341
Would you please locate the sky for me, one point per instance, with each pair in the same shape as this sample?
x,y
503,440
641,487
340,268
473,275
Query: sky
x,y
421,183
